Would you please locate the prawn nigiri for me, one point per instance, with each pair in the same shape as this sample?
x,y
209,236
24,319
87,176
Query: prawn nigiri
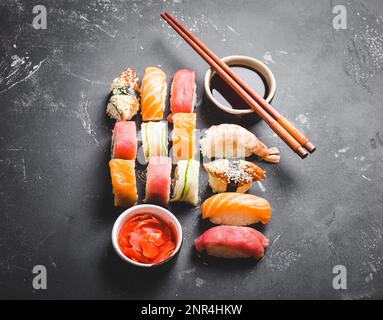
x,y
183,95
124,140
153,94
237,209
158,180
232,242
233,141
123,182
183,136
239,173
125,99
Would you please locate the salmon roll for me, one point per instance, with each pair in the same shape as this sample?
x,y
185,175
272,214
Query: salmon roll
x,y
123,177
184,125
124,140
153,94
183,95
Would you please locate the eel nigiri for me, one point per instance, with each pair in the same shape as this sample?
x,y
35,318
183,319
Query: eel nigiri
x,y
153,94
158,180
186,181
183,136
123,182
239,173
232,242
183,95
237,209
125,99
233,141
124,140
154,138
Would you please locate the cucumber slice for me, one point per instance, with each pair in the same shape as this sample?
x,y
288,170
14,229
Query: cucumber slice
x,y
186,184
154,139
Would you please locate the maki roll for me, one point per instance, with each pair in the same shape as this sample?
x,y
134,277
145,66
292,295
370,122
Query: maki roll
x,y
183,136
123,177
124,140
125,99
158,180
154,139
186,182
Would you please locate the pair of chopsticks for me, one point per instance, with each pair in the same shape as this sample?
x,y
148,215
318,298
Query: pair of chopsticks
x,y
299,143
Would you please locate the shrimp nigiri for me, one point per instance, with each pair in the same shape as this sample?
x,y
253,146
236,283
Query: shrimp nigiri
x,y
233,141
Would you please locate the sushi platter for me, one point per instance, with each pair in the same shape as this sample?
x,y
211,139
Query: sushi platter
x,y
172,152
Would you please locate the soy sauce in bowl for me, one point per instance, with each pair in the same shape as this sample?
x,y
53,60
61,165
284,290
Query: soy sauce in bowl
x,y
227,96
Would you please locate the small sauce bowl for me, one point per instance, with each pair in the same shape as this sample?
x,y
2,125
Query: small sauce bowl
x,y
159,212
242,61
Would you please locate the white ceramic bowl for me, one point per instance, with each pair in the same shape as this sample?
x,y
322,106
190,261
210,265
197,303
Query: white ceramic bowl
x,y
161,213
244,61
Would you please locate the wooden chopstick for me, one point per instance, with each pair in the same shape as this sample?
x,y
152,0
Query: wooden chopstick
x,y
274,125
302,139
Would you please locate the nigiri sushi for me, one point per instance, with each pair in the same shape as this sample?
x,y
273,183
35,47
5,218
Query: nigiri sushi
x,y
158,180
232,242
238,209
154,139
183,136
125,99
124,182
239,173
124,140
183,95
186,181
153,94
233,141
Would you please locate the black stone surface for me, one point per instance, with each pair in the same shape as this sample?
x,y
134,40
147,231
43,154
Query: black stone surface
x,y
56,205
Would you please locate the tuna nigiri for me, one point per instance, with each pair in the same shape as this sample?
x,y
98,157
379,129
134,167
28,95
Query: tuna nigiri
x,y
123,182
233,141
237,209
232,242
239,173
153,94
125,99
183,93
183,136
158,180
124,140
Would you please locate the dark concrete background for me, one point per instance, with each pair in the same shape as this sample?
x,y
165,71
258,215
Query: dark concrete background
x,y
56,206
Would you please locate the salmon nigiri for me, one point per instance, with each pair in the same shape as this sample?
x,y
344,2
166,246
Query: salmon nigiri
x,y
232,242
123,182
237,209
153,94
233,141
184,125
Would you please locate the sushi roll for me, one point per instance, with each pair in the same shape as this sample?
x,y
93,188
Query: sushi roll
x,y
239,174
124,182
233,141
153,94
183,95
125,99
186,182
154,139
236,209
183,136
158,180
124,140
232,242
